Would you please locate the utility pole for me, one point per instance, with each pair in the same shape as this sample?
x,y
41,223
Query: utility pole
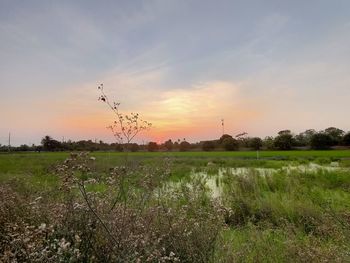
x,y
223,126
9,147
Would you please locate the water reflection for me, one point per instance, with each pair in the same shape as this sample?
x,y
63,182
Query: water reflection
x,y
214,181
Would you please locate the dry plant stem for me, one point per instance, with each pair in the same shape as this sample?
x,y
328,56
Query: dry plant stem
x,y
83,192
142,201
116,111
115,202
121,194
125,127
128,130
85,258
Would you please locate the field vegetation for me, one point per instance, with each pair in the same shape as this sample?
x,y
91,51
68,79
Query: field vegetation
x,y
98,207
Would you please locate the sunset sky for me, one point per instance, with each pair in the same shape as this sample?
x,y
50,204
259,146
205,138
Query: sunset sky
x,y
263,66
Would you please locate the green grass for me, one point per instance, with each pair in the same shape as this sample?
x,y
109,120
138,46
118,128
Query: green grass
x,y
38,167
241,154
41,162
282,217
303,216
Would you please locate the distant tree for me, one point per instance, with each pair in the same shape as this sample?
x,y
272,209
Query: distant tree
x,y
255,143
321,141
284,140
50,144
241,135
46,140
23,148
176,145
304,138
346,139
134,147
185,146
242,139
152,146
208,146
283,132
269,143
223,137
335,134
117,146
38,148
230,144
168,145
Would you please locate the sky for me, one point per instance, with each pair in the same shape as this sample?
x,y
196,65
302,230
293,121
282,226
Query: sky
x,y
262,66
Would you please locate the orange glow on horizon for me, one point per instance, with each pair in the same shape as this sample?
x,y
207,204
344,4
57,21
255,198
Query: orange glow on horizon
x,y
174,114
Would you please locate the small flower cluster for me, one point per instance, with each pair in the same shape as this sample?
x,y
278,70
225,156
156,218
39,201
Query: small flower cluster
x,y
76,170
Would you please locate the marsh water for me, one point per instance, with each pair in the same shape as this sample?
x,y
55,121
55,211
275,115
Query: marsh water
x,y
214,181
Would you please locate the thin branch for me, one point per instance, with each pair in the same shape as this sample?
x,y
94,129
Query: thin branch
x,y
84,194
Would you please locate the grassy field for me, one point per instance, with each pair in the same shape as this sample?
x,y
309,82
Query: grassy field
x,y
38,161
41,163
60,208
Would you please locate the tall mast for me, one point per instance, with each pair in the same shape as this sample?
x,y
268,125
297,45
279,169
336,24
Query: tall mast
x,y
223,126
9,146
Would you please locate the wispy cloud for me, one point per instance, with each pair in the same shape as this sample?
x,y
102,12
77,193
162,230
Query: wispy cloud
x,y
183,64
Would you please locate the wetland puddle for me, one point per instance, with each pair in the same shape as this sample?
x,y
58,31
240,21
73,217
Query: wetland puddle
x,y
214,182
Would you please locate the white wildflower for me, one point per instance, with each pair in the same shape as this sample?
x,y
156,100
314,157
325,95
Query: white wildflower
x,y
77,206
63,244
38,198
76,252
77,238
42,227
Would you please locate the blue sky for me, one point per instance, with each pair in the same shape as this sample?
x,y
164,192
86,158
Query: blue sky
x,y
264,66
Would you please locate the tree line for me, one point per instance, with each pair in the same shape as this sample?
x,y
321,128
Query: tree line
x,y
285,140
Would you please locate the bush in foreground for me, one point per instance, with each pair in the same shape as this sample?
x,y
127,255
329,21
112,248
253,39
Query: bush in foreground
x,y
124,221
